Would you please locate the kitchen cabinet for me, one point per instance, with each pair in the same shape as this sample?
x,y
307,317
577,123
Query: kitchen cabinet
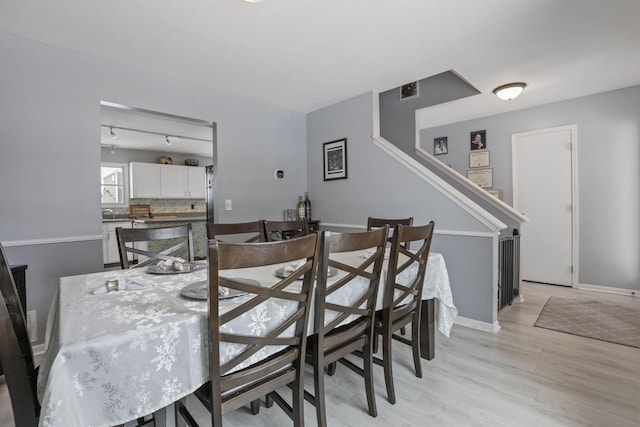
x,y
145,180
156,181
110,252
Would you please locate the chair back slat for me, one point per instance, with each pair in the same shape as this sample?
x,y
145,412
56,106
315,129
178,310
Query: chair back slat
x,y
16,354
176,241
284,230
249,231
361,278
407,269
390,222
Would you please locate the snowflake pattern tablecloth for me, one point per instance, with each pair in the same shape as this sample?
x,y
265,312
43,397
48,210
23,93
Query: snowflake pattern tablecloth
x,y
113,357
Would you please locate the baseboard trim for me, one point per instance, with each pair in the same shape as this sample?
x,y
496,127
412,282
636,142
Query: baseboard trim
x,y
478,325
608,290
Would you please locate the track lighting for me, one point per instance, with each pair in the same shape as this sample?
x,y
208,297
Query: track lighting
x,y
167,139
113,134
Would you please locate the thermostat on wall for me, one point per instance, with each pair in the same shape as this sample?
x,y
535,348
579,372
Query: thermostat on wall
x,y
279,174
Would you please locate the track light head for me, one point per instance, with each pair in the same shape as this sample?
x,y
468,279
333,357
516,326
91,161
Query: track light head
x,y
113,134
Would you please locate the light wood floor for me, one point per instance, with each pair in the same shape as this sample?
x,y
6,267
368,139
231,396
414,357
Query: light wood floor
x,y
520,376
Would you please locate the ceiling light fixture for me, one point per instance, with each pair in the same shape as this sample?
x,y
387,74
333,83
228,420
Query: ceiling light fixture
x,y
113,134
509,91
253,1
167,139
113,149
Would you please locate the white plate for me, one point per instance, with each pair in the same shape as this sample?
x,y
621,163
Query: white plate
x,y
188,267
200,290
281,273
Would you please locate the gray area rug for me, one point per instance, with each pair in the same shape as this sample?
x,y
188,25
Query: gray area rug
x,y
592,319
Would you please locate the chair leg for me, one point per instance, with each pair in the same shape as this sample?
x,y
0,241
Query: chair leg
x,y
255,407
375,341
415,344
368,379
318,379
297,400
331,368
268,401
388,363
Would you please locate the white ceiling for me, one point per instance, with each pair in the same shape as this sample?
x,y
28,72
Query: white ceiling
x,y
307,54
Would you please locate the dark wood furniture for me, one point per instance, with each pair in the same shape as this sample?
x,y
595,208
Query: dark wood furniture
x,y
248,231
391,222
333,342
284,230
16,354
402,303
19,278
313,225
232,383
128,237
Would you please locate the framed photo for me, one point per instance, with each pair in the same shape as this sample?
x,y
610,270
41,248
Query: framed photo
x,y
335,159
495,193
440,146
481,177
409,90
479,159
479,140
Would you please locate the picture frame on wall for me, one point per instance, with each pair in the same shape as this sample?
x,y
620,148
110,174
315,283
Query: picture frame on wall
x,y
440,146
479,140
479,159
481,177
335,159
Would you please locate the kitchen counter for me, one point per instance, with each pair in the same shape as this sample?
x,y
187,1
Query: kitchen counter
x,y
170,218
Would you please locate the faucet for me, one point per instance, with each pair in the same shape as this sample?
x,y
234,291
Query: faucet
x,y
106,212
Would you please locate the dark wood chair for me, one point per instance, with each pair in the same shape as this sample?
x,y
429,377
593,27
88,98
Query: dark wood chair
x,y
240,380
248,231
16,354
402,302
333,340
284,230
390,222
172,241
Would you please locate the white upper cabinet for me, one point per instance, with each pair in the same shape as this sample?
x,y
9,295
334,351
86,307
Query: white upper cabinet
x,y
145,180
197,182
156,181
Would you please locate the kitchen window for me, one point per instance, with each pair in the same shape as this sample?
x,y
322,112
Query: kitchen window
x,y
113,184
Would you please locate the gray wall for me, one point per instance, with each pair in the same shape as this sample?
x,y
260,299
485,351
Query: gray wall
x,y
397,116
49,166
608,174
378,185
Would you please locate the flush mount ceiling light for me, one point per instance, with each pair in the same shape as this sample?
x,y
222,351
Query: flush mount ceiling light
x,y
509,91
113,134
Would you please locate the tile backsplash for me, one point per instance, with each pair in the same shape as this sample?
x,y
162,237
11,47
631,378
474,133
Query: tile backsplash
x,y
164,206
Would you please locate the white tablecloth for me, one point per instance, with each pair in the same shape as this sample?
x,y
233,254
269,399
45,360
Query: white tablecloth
x,y
113,357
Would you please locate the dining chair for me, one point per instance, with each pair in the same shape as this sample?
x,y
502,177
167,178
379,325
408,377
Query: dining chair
x,y
16,354
269,360
284,230
344,327
391,222
171,241
402,296
247,231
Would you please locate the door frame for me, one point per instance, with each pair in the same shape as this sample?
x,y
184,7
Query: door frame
x,y
573,131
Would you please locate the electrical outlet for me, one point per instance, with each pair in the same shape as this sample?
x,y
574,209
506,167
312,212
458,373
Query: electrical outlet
x,y
227,205
32,325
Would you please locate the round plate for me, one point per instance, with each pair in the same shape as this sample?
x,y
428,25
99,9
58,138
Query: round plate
x,y
281,273
188,267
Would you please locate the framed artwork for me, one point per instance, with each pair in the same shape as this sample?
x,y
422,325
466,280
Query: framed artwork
x,y
479,159
409,90
440,146
479,140
335,159
481,177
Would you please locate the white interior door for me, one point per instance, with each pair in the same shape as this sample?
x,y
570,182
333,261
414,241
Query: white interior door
x,y
543,189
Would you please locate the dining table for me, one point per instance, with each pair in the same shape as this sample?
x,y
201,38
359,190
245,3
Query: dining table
x,y
112,356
